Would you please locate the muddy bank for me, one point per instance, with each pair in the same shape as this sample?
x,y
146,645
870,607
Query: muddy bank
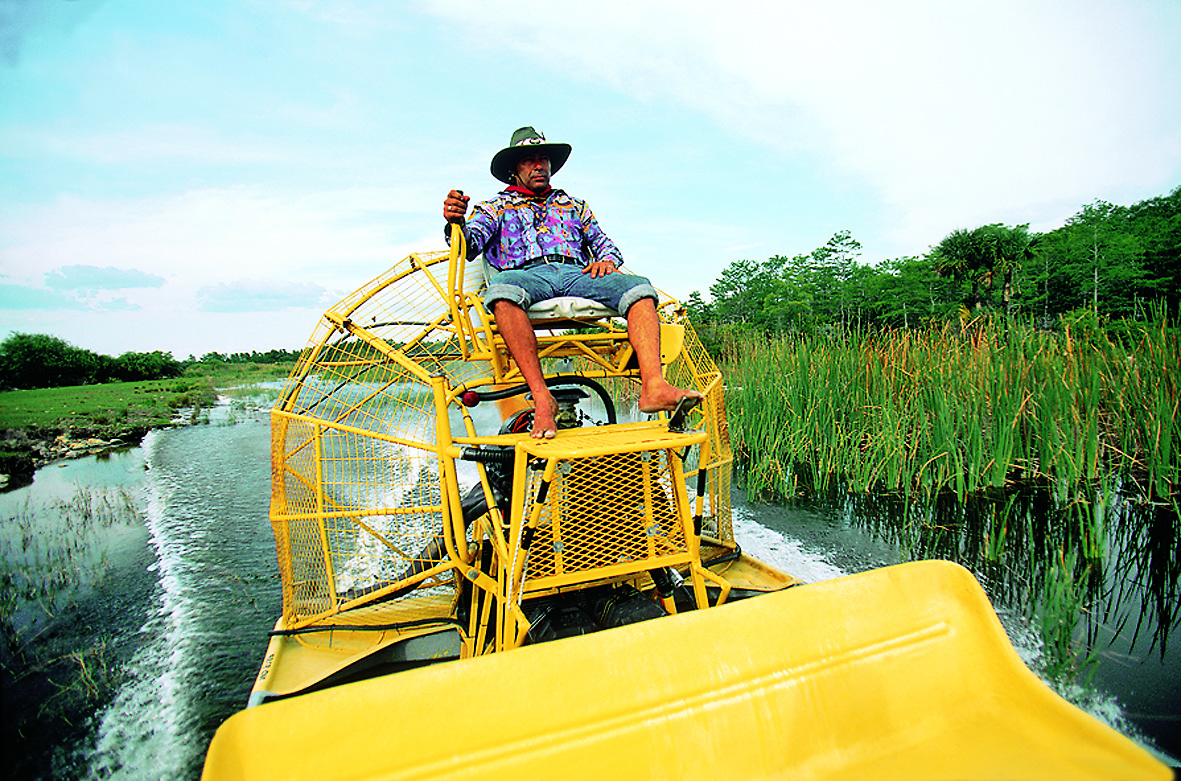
x,y
24,450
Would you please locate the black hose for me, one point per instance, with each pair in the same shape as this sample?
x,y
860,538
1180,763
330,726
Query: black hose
x,y
486,456
733,555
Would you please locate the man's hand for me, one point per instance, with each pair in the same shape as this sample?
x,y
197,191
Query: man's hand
x,y
455,206
600,268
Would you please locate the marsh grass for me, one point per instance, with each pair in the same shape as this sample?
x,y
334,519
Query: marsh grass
x,y
51,555
1098,567
118,408
57,663
1041,460
1062,605
126,408
961,409
232,375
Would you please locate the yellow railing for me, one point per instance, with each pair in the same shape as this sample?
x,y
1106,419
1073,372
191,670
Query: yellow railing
x,y
367,463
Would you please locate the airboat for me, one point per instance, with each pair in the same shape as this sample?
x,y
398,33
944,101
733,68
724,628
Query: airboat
x,y
461,600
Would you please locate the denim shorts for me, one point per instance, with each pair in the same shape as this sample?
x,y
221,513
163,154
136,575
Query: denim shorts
x,y
527,286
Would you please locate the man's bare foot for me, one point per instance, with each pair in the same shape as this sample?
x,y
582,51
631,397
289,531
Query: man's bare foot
x,y
661,396
544,425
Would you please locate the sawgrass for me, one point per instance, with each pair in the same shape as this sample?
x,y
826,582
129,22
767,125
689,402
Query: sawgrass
x,y
958,408
1038,459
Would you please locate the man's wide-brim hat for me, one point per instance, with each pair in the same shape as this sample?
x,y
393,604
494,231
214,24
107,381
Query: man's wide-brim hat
x,y
527,141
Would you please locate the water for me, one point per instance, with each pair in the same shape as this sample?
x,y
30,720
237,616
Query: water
x,y
1127,616
169,603
184,612
213,602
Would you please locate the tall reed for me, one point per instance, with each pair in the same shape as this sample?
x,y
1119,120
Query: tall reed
x,y
959,408
1038,459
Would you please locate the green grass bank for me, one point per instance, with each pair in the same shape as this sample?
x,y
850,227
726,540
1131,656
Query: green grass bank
x,y
32,421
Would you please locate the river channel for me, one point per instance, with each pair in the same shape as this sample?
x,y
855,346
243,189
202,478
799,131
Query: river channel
x,y
140,586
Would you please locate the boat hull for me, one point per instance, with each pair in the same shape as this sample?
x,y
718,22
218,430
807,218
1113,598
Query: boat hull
x,y
903,672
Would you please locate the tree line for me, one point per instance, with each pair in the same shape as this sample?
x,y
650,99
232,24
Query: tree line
x,y
1108,260
270,356
1111,261
43,361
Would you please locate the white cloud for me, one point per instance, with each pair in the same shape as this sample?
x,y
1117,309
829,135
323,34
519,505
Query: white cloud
x,y
24,297
955,113
312,147
260,295
141,145
210,235
211,248
94,278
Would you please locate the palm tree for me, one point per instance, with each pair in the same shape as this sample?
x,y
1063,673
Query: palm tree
x,y
1011,248
985,254
961,255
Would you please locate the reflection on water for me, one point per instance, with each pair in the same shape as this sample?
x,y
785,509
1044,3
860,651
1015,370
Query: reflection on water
x,y
1123,554
157,638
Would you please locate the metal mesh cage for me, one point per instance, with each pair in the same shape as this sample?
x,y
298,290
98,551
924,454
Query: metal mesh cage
x,y
356,487
627,528
366,484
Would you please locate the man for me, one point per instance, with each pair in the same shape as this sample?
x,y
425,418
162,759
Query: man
x,y
543,243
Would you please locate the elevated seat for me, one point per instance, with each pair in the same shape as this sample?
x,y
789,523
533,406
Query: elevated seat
x,y
567,308
567,326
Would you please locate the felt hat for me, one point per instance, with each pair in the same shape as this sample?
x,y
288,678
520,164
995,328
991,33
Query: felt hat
x,y
527,141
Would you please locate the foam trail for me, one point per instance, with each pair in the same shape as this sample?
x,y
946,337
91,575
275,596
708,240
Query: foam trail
x,y
143,732
780,551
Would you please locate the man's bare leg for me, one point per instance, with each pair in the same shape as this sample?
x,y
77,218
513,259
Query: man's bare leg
x,y
643,331
518,335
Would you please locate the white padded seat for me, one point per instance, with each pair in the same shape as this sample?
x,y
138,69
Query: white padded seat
x,y
565,318
560,308
569,308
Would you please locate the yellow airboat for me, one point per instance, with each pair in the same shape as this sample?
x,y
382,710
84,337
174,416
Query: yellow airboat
x,y
463,601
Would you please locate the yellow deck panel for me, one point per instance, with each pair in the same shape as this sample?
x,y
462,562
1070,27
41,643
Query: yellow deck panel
x,y
903,672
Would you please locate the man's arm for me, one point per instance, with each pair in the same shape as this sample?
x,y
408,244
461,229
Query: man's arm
x,y
476,231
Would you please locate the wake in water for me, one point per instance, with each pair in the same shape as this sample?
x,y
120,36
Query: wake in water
x,y
781,551
213,596
140,732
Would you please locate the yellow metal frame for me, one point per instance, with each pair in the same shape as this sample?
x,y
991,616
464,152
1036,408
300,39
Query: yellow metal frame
x,y
379,567
364,466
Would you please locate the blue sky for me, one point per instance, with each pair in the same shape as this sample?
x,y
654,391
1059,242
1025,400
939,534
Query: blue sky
x,y
200,176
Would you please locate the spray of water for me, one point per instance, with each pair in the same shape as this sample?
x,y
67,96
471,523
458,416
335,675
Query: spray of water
x,y
141,734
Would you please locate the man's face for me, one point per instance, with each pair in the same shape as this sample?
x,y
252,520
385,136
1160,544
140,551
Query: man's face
x,y
533,172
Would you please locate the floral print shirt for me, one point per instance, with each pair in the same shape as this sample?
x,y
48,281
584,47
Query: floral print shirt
x,y
512,229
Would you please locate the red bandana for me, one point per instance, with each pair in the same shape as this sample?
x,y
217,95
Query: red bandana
x,y
512,188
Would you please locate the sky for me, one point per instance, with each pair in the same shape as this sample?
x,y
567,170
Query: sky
x,y
211,176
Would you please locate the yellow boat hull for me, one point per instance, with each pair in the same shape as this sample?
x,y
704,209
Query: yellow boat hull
x,y
903,672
